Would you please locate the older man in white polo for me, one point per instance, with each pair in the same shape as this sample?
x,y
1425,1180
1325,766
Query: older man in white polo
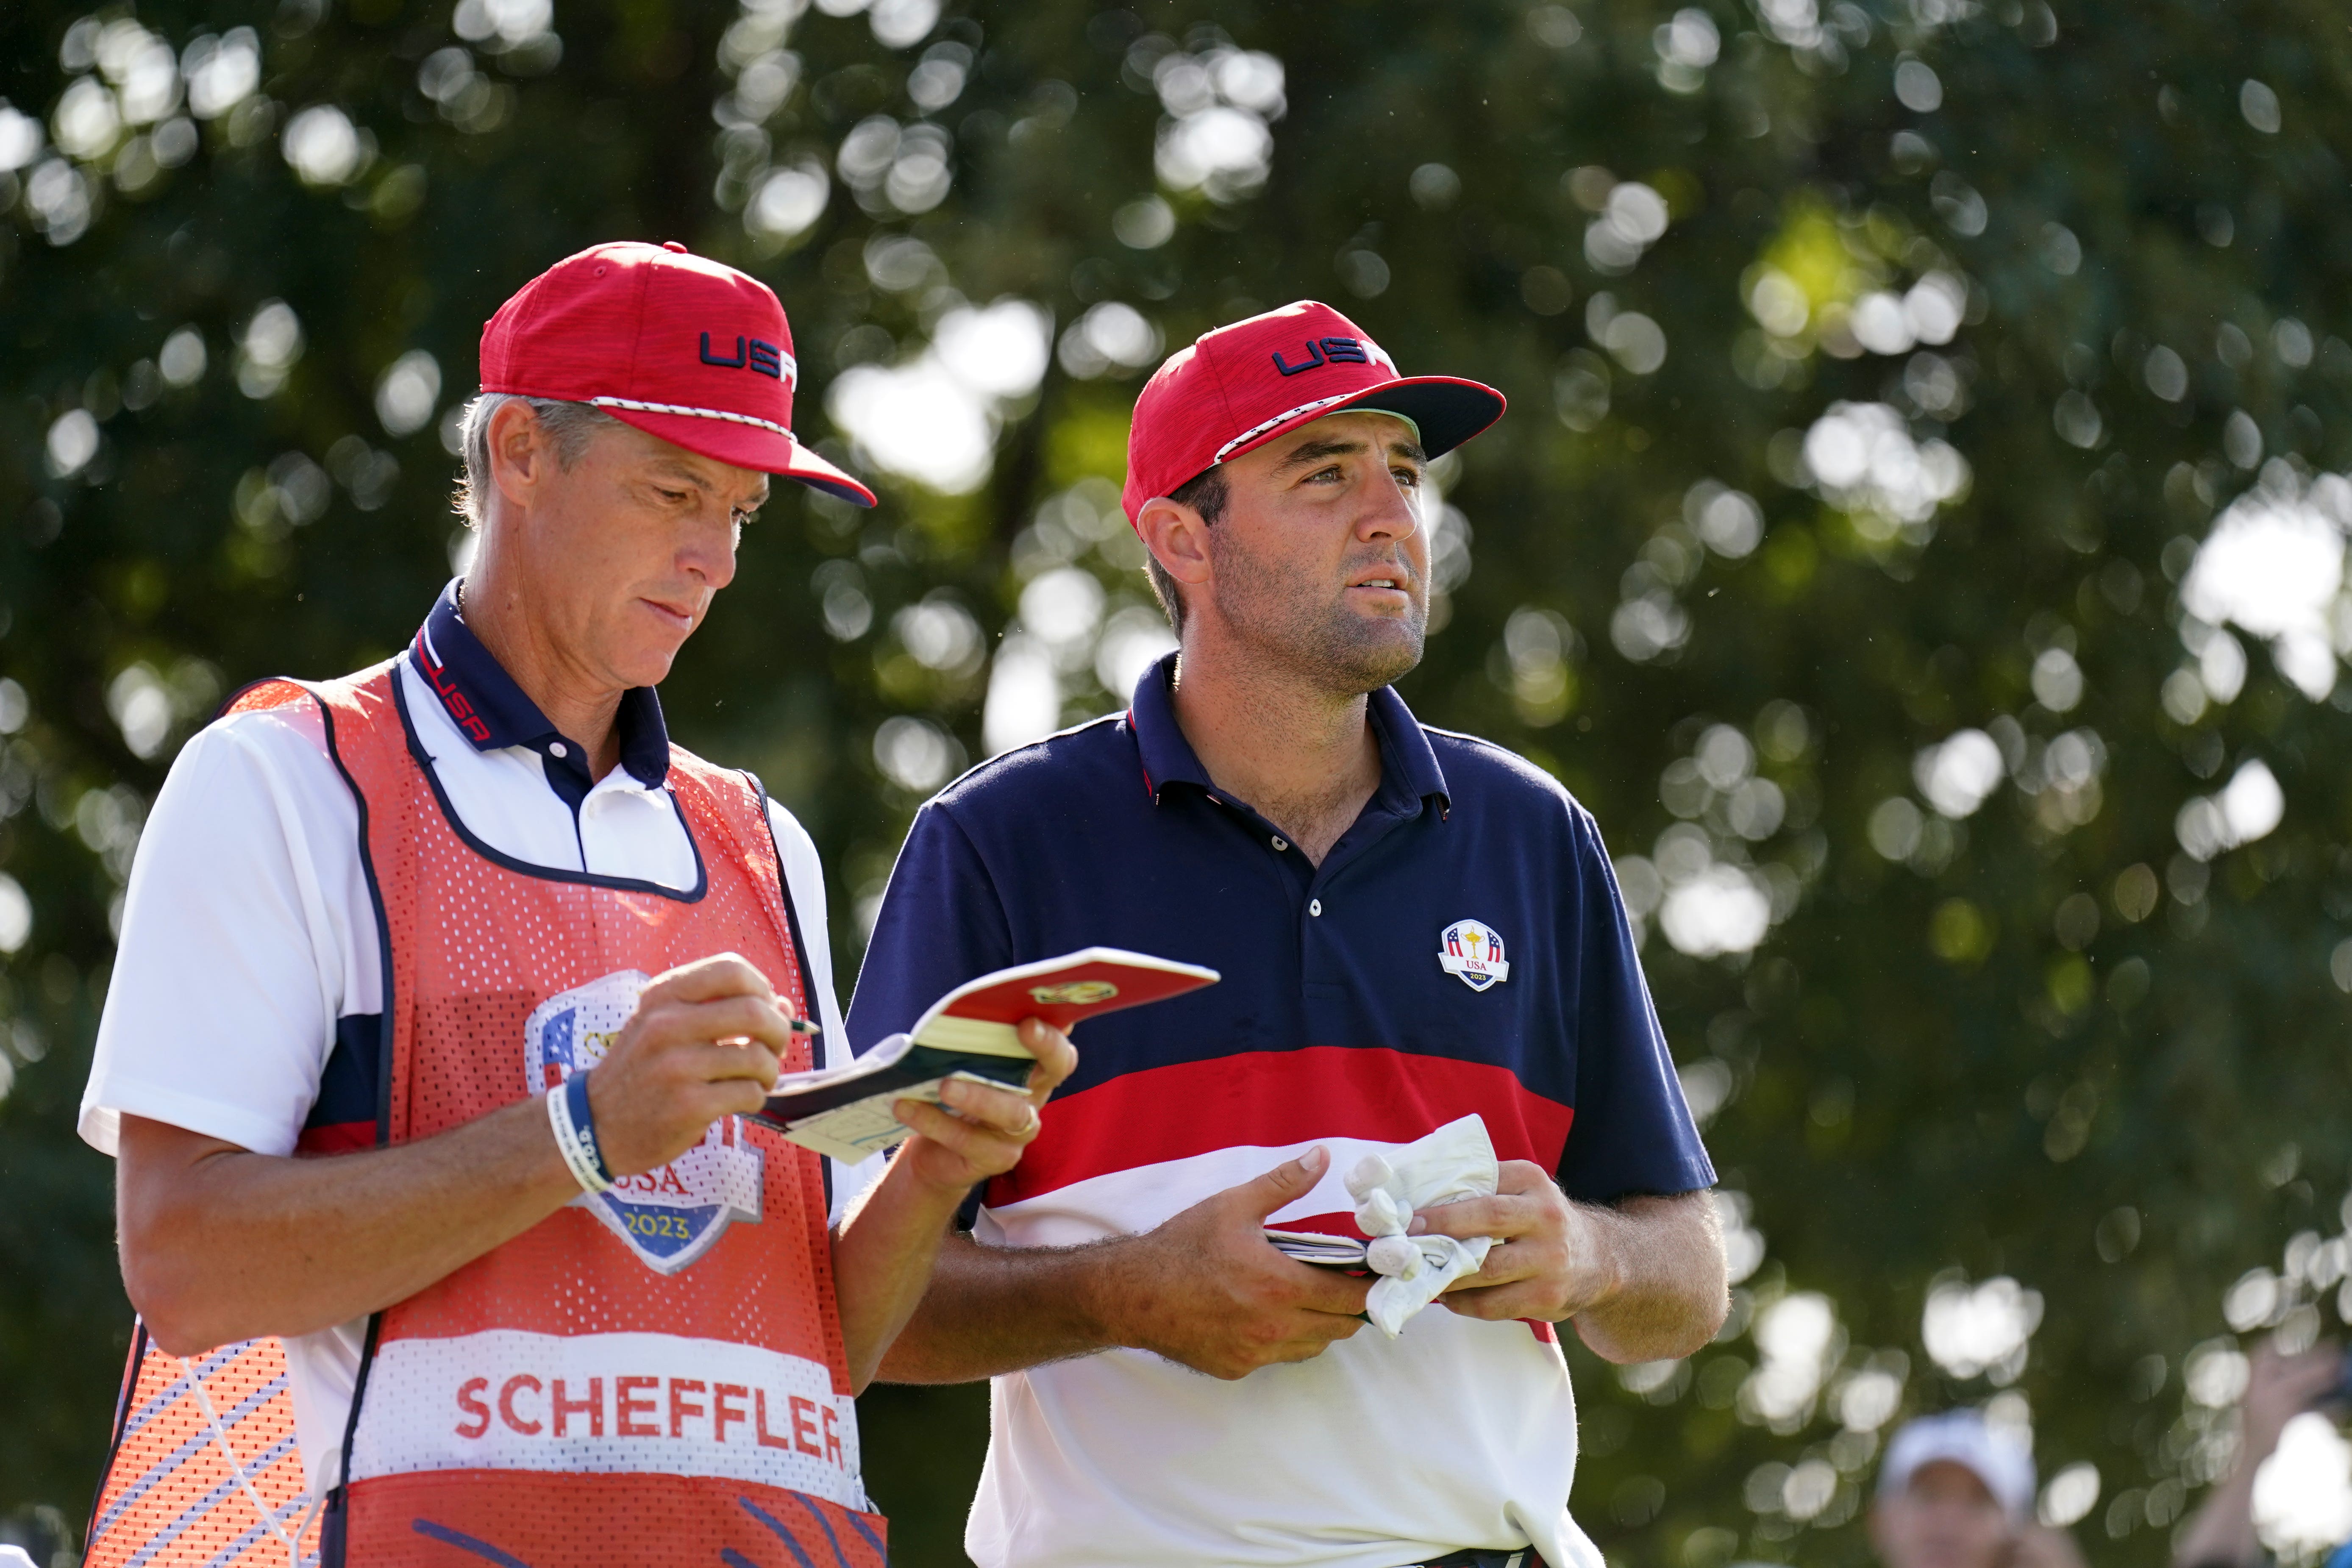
x,y
468,927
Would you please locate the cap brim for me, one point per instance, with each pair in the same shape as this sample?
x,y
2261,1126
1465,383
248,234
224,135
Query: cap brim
x,y
746,446
1447,409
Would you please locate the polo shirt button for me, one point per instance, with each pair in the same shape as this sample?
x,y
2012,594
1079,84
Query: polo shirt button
x,y
555,749
1278,845
1313,906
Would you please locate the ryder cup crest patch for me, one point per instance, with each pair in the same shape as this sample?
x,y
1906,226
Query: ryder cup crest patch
x,y
673,1215
1472,950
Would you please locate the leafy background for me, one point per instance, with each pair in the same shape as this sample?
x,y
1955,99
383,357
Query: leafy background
x,y
1914,536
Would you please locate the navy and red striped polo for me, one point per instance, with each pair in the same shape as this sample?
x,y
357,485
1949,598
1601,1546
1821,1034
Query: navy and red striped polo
x,y
1336,1016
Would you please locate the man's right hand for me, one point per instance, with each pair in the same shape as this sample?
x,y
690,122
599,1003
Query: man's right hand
x,y
2280,1387
705,1042
220,1244
1207,1289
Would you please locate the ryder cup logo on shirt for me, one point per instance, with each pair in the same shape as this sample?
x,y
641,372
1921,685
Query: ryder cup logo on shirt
x,y
673,1215
1473,951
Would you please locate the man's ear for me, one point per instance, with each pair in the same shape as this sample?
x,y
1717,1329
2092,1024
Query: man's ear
x,y
519,452
1177,538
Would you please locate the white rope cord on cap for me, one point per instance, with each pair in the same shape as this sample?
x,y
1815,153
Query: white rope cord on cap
x,y
1254,432
728,415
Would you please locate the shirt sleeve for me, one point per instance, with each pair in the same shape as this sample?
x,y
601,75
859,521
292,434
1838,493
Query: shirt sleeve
x,y
239,937
1632,1132
804,886
940,924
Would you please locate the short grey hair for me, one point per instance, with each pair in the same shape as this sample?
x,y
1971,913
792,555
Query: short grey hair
x,y
570,425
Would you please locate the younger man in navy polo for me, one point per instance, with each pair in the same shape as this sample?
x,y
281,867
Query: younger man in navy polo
x,y
1412,926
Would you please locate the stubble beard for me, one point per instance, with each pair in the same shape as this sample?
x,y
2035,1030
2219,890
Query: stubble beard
x,y
1313,635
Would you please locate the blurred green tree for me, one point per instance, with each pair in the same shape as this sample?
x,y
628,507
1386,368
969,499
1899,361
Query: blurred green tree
x,y
1915,536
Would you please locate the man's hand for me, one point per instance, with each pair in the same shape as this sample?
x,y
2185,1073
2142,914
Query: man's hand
x,y
888,1247
1207,1289
989,1126
2280,1387
705,1042
1547,1262
1644,1279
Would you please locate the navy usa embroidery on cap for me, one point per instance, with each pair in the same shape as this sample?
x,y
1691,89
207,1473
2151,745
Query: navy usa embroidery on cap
x,y
753,353
1325,350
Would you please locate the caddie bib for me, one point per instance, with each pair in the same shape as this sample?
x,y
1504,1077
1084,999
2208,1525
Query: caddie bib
x,y
651,1375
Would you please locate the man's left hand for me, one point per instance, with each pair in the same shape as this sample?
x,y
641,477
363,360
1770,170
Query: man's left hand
x,y
983,1129
1548,1261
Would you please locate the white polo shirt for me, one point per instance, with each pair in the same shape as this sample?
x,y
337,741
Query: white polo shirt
x,y
248,935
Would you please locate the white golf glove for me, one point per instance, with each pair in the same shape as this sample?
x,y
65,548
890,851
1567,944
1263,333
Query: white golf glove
x,y
1454,1163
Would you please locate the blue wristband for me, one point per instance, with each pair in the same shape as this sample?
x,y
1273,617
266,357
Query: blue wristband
x,y
584,1122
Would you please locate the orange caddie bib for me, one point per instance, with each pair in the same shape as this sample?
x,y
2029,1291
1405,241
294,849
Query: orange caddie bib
x,y
652,1375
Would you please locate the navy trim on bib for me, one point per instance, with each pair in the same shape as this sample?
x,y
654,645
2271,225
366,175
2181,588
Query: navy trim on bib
x,y
800,956
384,1064
122,1422
466,835
375,898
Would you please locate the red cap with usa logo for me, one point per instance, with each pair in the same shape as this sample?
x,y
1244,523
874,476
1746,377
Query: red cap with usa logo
x,y
1240,386
679,347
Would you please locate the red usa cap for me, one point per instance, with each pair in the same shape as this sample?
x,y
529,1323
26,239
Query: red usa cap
x,y
679,347
1240,386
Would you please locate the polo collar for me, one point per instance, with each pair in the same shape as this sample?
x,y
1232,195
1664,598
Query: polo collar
x,y
1167,756
1408,769
492,713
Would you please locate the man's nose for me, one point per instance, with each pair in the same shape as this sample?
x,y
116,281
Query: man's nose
x,y
1390,510
708,552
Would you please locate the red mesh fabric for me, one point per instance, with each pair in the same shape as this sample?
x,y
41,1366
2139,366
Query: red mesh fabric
x,y
474,947
263,695
558,1521
626,1405
171,1495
